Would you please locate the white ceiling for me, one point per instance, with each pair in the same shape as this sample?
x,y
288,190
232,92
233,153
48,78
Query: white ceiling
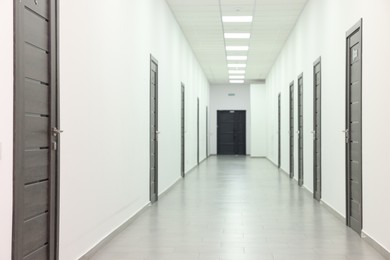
x,y
201,22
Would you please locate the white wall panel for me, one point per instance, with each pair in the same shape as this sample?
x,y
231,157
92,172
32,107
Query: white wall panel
x,y
104,66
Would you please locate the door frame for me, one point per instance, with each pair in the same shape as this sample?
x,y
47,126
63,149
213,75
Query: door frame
x,y
317,194
292,127
279,129
358,26
207,132
197,130
152,200
182,129
300,132
19,132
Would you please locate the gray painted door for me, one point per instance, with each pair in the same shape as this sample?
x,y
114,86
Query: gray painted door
x,y
354,128
153,130
35,223
292,147
300,130
183,131
279,131
317,130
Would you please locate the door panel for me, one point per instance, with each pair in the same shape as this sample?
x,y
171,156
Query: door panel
x,y
35,227
292,118
153,130
231,133
317,130
354,128
300,130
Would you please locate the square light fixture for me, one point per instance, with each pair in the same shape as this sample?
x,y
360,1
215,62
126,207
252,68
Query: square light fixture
x,y
237,57
237,19
236,71
237,48
236,77
238,65
237,35
237,81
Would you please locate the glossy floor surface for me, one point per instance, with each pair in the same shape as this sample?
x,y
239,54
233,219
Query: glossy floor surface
x,y
237,208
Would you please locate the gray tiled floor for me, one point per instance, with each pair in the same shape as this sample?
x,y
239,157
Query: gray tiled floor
x,y
237,208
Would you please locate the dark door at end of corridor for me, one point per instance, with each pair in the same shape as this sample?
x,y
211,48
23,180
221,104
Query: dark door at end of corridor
x,y
231,132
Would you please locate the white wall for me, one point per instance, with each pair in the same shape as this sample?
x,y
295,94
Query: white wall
x,y
6,127
104,66
220,100
320,31
259,116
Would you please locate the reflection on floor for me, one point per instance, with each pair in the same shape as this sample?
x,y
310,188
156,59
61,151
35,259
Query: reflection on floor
x,y
237,208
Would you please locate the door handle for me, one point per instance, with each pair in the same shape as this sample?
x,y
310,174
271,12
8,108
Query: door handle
x,y
56,131
346,132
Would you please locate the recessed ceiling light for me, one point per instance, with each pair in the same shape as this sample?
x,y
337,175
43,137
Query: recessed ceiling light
x,y
237,65
236,77
237,35
237,48
237,57
239,81
237,19
236,71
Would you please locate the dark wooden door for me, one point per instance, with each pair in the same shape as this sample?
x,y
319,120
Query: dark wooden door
x,y
300,130
153,130
183,131
317,130
292,118
35,222
231,132
354,128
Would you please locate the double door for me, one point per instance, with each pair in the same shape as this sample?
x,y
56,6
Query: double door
x,y
231,133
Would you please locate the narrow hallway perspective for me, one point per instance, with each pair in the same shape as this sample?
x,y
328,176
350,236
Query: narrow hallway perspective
x,y
237,207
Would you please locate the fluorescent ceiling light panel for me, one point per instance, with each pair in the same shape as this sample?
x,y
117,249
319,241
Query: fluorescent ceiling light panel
x,y
237,65
237,48
237,19
239,81
237,57
237,35
236,71
236,77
